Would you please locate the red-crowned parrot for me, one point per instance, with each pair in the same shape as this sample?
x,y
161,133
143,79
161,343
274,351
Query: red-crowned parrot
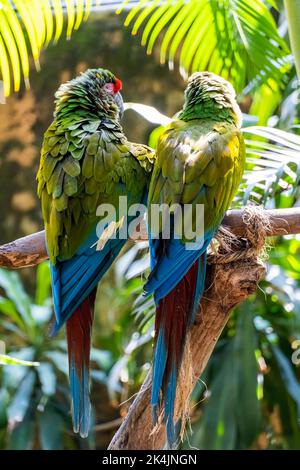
x,y
86,161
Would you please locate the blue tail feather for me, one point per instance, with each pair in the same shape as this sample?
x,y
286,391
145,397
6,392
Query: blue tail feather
x,y
177,280
169,406
159,366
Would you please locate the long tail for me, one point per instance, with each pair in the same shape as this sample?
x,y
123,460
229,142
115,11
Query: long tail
x,y
174,315
79,327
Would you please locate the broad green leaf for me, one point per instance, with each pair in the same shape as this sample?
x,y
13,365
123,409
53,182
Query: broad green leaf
x,y
47,378
279,399
218,427
288,376
60,360
10,282
51,429
8,308
233,38
14,374
269,94
22,436
102,358
43,283
4,401
22,399
231,417
248,410
41,314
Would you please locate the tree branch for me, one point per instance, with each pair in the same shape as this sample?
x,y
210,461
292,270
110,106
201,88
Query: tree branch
x,y
226,286
31,250
26,251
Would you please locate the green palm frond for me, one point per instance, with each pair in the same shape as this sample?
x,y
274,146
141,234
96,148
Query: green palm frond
x,y
233,38
292,8
272,164
230,37
6,360
30,25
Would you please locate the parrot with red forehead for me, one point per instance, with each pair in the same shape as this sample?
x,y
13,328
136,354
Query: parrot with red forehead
x,y
86,161
200,161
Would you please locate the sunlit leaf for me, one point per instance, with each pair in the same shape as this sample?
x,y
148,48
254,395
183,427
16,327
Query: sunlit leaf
x,y
148,112
15,291
5,360
43,283
233,38
30,24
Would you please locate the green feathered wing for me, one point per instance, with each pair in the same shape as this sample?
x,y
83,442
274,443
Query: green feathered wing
x,y
83,166
198,164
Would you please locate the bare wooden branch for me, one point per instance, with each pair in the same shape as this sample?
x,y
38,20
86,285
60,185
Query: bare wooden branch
x,y
31,250
282,221
26,251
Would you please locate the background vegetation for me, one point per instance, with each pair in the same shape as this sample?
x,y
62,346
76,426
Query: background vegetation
x,y
249,395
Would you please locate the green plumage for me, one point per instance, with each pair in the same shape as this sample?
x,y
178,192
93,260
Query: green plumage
x,y
85,161
201,153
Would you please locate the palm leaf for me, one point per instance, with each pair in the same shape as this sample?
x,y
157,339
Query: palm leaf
x,y
272,165
30,25
240,42
232,38
292,8
5,360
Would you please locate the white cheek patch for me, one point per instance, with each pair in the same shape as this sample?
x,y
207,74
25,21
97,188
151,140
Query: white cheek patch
x,y
109,88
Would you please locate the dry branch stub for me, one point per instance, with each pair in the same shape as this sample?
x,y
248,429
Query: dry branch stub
x,y
252,245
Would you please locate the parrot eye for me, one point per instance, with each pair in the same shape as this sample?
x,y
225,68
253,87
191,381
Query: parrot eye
x,y
112,88
109,88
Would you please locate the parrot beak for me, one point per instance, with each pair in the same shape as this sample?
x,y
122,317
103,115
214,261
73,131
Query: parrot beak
x,y
119,103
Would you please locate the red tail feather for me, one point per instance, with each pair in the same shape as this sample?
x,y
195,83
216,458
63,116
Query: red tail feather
x,y
173,315
79,327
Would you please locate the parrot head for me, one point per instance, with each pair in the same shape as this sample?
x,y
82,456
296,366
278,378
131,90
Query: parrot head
x,y
212,95
95,90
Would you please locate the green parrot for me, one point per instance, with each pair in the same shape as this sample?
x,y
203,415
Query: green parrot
x,y
86,161
200,163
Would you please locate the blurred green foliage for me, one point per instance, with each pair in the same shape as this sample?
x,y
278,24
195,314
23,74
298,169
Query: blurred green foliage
x,y
34,397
